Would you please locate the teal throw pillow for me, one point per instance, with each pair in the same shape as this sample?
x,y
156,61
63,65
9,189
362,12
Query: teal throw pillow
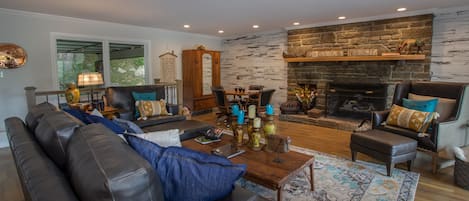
x,y
420,105
143,96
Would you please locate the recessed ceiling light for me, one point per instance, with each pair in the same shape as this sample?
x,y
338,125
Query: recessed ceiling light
x,y
221,31
296,23
341,17
401,9
255,26
187,26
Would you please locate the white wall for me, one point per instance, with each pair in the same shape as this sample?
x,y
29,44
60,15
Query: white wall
x,y
256,59
32,32
450,46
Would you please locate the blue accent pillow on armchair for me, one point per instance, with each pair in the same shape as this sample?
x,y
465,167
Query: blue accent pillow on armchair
x,y
420,105
142,96
189,175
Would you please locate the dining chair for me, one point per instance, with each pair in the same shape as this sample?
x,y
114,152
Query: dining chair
x,y
264,99
223,105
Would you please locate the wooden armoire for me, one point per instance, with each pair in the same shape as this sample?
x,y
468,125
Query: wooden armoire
x,y
200,71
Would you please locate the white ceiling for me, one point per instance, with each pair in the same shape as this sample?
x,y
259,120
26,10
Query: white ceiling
x,y
233,16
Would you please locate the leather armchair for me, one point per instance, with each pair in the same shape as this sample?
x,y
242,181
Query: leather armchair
x,y
444,133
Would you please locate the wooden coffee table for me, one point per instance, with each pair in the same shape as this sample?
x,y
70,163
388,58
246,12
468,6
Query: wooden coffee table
x,y
261,168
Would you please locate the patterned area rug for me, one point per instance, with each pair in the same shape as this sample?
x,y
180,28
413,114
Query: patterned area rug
x,y
339,179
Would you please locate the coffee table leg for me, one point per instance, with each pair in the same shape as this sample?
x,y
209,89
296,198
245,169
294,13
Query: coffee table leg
x,y
279,193
311,168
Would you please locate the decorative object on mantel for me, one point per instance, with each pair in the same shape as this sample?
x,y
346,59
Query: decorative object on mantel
x,y
390,54
362,52
168,67
12,56
407,46
306,96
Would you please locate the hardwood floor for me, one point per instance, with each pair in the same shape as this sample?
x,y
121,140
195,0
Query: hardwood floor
x,y
332,141
431,186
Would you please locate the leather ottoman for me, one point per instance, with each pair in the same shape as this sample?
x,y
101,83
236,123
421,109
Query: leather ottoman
x,y
384,146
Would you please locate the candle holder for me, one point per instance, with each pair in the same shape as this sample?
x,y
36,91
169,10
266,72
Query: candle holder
x,y
269,128
250,129
256,140
238,135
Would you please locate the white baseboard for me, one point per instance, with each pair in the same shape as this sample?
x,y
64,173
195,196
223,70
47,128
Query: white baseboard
x,y
3,139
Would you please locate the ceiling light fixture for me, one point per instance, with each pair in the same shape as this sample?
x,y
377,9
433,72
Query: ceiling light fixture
x,y
296,23
221,31
255,26
187,26
341,17
401,9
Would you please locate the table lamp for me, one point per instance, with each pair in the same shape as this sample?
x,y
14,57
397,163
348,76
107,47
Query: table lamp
x,y
90,79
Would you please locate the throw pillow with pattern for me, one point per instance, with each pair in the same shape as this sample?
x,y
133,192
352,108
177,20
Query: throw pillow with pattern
x,y
411,119
151,108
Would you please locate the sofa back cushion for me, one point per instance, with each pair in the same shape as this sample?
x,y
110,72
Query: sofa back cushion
x,y
53,133
121,97
40,178
36,112
103,167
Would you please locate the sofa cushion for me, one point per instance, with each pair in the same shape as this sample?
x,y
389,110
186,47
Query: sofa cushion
x,y
445,106
420,105
140,96
41,179
155,120
411,119
151,108
163,138
36,112
53,133
103,167
204,176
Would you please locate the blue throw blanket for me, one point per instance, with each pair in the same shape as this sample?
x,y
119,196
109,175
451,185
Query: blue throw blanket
x,y
189,175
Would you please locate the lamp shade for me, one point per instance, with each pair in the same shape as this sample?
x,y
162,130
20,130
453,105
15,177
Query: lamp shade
x,y
90,79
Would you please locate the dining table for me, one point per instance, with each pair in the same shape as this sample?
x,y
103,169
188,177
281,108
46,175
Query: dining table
x,y
243,97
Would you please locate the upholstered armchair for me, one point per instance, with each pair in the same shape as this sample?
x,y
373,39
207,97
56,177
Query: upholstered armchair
x,y
447,131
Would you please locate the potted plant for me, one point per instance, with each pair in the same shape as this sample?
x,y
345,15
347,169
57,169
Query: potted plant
x,y
306,96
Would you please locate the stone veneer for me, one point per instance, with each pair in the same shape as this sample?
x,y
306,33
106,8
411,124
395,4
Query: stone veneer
x,y
384,35
256,60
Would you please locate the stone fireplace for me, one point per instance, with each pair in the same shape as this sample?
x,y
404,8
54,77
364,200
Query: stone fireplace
x,y
352,80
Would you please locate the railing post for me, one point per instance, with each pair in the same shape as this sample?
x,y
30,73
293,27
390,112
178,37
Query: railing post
x,y
179,94
30,96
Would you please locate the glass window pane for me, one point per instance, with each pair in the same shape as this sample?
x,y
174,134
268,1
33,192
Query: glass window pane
x,y
127,64
75,57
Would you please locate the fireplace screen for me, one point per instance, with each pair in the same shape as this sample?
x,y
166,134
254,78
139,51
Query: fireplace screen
x,y
355,100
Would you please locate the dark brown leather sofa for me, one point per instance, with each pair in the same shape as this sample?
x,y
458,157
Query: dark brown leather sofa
x,y
121,98
445,133
60,159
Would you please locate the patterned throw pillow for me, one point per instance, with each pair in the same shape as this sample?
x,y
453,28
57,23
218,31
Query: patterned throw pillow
x,y
151,108
410,119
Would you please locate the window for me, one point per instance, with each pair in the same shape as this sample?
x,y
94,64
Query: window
x,y
127,64
75,57
120,63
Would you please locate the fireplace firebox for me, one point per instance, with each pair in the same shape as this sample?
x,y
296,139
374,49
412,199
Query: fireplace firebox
x,y
355,100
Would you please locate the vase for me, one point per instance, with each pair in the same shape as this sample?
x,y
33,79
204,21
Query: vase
x,y
72,94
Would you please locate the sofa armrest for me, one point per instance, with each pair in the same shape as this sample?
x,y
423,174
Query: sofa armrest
x,y
378,117
172,108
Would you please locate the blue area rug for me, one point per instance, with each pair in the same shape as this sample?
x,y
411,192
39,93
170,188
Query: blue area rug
x,y
341,179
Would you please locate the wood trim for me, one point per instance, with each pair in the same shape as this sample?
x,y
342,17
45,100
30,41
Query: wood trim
x,y
356,58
